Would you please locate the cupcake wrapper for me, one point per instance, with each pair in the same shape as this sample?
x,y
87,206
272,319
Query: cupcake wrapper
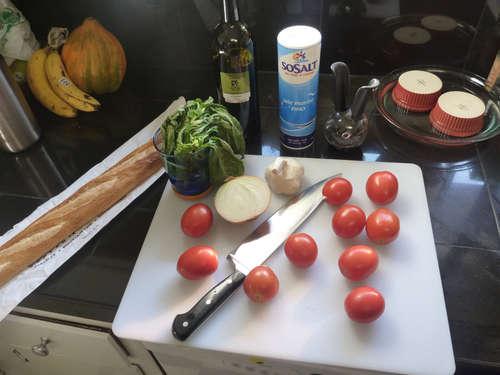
x,y
412,101
455,126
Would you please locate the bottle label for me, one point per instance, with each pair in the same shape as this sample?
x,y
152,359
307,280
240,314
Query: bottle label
x,y
298,71
235,87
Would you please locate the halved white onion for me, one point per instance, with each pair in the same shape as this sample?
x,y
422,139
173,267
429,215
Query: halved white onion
x,y
242,199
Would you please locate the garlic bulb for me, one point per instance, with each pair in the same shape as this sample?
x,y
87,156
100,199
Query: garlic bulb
x,y
284,176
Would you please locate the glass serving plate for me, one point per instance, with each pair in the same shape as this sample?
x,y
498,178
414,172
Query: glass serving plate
x,y
417,126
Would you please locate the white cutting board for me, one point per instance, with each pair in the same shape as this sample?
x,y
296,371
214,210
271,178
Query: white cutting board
x,y
306,321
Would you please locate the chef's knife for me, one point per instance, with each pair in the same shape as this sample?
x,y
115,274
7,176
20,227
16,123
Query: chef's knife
x,y
253,251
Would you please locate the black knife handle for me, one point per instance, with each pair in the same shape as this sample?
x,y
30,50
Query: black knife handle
x,y
185,324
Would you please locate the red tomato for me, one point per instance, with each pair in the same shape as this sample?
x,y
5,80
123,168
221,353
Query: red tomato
x,y
358,262
337,191
364,304
382,187
261,284
301,249
197,262
196,220
382,226
348,221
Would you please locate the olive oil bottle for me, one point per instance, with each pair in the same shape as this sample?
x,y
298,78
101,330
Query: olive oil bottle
x,y
233,57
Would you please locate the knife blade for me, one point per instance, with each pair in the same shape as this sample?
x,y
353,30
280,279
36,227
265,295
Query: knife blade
x,y
253,251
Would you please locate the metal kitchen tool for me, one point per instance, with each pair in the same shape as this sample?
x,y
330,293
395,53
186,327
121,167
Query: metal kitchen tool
x,y
253,251
347,127
18,127
341,85
361,98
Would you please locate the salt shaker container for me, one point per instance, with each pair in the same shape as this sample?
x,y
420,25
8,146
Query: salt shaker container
x,y
18,127
299,50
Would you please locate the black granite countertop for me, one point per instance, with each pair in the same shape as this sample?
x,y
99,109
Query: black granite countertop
x,y
462,185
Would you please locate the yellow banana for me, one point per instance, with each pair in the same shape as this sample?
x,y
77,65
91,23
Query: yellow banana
x,y
64,87
40,87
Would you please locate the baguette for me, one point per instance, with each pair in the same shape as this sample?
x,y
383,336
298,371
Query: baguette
x,y
90,201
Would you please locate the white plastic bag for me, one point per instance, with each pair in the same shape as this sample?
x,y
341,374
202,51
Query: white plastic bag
x,y
17,41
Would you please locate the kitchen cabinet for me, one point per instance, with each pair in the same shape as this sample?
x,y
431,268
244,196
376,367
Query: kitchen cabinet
x,y
185,360
30,346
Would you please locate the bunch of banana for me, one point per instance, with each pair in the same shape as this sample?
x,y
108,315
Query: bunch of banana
x,y
50,84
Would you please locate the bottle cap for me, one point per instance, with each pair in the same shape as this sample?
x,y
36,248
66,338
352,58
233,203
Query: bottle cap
x,y
299,36
458,113
417,90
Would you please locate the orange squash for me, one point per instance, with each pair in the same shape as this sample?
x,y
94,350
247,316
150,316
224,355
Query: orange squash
x,y
94,58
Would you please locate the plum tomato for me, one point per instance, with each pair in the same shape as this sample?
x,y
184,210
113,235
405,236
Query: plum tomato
x,y
358,262
301,249
348,221
337,191
196,220
261,284
382,226
364,304
197,262
382,187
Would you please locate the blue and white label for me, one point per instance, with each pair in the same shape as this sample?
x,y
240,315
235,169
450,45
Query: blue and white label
x,y
298,94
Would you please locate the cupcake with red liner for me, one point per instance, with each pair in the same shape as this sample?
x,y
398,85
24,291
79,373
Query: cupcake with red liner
x,y
458,113
417,90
